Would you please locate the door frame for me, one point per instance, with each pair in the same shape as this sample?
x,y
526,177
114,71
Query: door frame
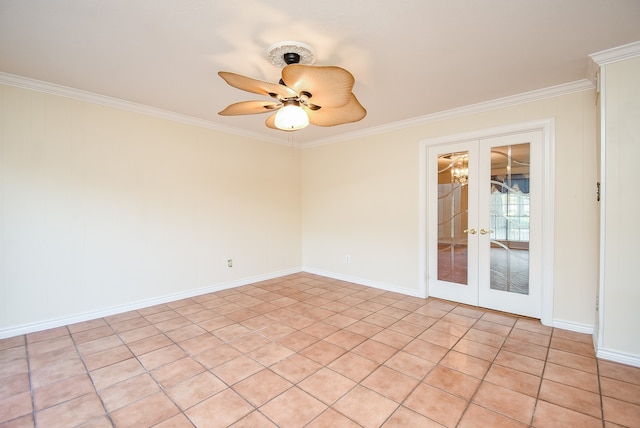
x,y
547,129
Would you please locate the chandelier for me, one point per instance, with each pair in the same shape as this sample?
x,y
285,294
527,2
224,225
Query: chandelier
x,y
460,169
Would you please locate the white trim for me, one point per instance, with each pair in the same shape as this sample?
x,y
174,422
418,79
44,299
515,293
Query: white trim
x,y
548,220
616,54
362,281
573,326
113,310
599,337
68,92
527,97
618,357
91,97
547,126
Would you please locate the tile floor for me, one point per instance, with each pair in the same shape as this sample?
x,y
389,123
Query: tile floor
x,y
304,350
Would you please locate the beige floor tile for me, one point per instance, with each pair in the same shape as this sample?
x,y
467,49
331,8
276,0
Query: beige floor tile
x,y
426,350
331,419
453,382
296,367
14,384
148,411
177,371
479,417
55,393
128,391
619,371
253,420
270,354
322,352
262,387
57,371
514,380
570,397
572,377
353,366
326,385
520,362
365,407
237,369
620,390
15,406
525,348
410,364
476,349
404,417
621,412
345,339
436,404
567,359
506,402
374,351
464,363
195,389
553,416
390,383
308,350
221,410
107,357
217,355
71,413
293,408
160,357
110,375
199,343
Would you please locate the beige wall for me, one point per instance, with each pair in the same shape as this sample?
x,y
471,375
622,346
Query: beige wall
x,y
102,208
360,197
620,292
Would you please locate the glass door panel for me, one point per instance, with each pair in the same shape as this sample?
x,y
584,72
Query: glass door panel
x,y
509,218
453,203
453,190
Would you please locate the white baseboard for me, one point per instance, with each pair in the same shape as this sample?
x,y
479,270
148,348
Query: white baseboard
x,y
362,281
618,357
114,310
573,326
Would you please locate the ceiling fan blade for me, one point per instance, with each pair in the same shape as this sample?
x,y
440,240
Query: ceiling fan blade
x,y
248,84
352,111
329,86
250,107
271,123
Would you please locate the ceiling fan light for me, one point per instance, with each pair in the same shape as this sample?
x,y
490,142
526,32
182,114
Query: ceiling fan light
x,y
291,117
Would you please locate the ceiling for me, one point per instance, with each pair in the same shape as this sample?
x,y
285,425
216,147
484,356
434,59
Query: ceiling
x,y
410,58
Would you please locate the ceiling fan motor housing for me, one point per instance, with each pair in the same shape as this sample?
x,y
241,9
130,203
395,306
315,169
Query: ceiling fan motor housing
x,y
291,58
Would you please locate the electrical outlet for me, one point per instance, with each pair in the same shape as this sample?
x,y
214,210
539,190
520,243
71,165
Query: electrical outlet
x,y
347,258
230,263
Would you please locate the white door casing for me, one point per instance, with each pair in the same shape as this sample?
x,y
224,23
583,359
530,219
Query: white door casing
x,y
539,301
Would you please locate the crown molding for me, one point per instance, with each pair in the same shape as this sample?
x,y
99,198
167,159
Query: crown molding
x,y
540,94
68,92
616,54
91,97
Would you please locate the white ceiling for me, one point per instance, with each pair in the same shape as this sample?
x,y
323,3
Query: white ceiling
x,y
410,58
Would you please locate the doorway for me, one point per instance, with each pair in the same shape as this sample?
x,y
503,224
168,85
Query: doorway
x,y
487,230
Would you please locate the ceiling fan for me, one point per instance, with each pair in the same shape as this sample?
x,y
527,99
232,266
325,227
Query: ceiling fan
x,y
320,95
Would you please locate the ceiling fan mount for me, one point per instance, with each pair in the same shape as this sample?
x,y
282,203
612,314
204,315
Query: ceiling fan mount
x,y
285,53
320,95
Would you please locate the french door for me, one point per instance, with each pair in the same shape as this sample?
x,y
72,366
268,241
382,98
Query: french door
x,y
484,222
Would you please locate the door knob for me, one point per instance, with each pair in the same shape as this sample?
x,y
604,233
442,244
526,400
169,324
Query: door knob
x,y
485,231
471,231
